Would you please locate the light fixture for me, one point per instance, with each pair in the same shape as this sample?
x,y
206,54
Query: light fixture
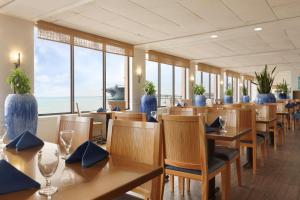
x,y
139,74
192,79
15,58
221,82
214,36
258,29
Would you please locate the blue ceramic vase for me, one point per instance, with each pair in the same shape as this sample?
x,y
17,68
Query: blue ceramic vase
x,y
148,104
200,100
282,96
246,99
228,99
265,98
21,114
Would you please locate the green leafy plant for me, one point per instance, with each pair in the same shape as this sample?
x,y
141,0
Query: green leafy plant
x,y
282,87
149,88
18,81
198,90
228,92
264,80
245,91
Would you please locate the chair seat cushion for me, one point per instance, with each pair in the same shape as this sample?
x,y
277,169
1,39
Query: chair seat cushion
x,y
297,115
259,139
213,164
225,153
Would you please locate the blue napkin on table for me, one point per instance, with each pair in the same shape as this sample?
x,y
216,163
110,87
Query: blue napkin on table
x,y
101,110
88,153
152,119
289,105
25,141
117,108
12,180
178,105
216,123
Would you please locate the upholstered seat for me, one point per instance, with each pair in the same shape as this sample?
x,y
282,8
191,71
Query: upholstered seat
x,y
259,139
225,153
213,164
297,115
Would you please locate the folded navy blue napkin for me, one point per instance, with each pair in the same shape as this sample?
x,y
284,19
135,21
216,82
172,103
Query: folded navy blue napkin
x,y
101,110
25,141
88,153
12,180
152,119
209,129
289,105
185,104
216,123
178,105
117,108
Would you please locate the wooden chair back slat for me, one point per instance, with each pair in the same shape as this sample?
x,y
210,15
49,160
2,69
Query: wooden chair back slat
x,y
129,116
181,111
113,104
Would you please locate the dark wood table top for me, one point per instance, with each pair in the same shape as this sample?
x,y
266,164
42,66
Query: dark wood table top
x,y
105,180
265,120
232,134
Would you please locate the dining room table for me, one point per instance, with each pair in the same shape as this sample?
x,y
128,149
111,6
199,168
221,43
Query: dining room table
x,y
108,179
231,134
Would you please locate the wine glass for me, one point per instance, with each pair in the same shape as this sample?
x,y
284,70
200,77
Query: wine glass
x,y
48,160
2,136
222,121
66,137
153,114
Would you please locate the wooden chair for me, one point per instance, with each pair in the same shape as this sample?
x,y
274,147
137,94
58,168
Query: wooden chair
x,y
113,104
185,152
82,127
130,116
138,142
187,102
282,121
252,140
181,111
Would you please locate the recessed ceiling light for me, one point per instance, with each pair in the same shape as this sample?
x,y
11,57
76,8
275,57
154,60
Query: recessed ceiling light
x,y
258,29
214,36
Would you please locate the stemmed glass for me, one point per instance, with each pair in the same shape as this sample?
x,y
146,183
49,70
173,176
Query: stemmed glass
x,y
48,160
153,114
66,137
222,121
2,136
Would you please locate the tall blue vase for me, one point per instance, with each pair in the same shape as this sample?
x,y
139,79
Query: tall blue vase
x,y
21,114
265,98
148,104
245,99
228,99
200,100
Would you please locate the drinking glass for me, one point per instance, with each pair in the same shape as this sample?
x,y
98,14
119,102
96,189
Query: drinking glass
x,y
153,114
66,137
48,160
2,136
222,121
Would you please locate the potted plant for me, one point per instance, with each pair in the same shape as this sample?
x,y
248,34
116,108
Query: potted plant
x,y
199,98
148,100
228,99
282,90
245,97
264,84
20,110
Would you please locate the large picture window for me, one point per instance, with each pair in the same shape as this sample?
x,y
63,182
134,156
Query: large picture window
x,y
209,82
166,86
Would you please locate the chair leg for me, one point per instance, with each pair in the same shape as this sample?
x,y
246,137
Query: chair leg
x,y
228,182
224,177
254,160
181,185
162,186
263,154
188,185
172,183
204,189
238,171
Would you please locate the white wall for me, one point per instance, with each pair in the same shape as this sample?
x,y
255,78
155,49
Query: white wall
x,y
15,35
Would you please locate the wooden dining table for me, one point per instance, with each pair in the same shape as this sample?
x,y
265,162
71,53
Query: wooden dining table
x,y
231,134
107,179
268,122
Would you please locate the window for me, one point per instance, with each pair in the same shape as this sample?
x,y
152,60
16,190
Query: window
x,y
52,76
116,77
88,78
179,83
166,86
198,78
235,89
205,82
152,73
213,86
210,82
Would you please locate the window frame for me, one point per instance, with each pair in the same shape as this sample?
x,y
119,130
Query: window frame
x,y
210,83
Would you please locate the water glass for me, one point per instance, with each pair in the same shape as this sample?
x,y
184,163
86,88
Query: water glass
x,y
66,137
2,136
153,114
222,121
48,160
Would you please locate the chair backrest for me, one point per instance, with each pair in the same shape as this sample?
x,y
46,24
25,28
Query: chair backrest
x,y
113,104
130,116
184,142
82,127
137,142
187,102
181,111
233,105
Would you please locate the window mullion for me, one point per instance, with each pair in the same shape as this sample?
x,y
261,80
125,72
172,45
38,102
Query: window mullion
x,y
72,80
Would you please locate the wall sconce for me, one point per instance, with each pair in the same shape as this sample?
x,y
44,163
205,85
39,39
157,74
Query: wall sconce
x,y
221,82
192,79
15,58
139,74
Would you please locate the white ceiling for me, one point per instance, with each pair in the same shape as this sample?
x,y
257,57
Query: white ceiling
x,y
184,27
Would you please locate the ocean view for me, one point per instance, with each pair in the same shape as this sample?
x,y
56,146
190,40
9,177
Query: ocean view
x,y
62,104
